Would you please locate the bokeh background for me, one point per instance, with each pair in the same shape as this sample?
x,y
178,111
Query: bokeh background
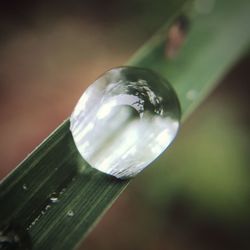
x,y
197,195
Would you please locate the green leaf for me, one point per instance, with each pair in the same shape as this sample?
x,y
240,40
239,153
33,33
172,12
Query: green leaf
x,y
53,198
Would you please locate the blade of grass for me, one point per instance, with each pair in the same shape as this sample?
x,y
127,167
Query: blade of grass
x,y
54,196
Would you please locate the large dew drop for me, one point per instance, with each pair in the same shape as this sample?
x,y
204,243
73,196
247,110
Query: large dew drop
x,y
125,120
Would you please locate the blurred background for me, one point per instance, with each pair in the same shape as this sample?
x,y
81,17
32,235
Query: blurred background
x,y
197,195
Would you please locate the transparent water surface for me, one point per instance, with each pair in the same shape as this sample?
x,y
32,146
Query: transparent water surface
x,y
125,120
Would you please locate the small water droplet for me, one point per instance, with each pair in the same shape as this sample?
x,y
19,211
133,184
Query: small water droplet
x,y
70,213
62,191
125,120
191,94
37,218
25,187
47,207
54,198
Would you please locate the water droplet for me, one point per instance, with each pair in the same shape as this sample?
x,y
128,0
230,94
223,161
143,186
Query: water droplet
x,y
47,207
33,223
191,94
54,198
62,191
70,213
25,187
125,120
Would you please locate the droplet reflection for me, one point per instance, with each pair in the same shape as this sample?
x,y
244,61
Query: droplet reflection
x,y
70,213
25,187
125,120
